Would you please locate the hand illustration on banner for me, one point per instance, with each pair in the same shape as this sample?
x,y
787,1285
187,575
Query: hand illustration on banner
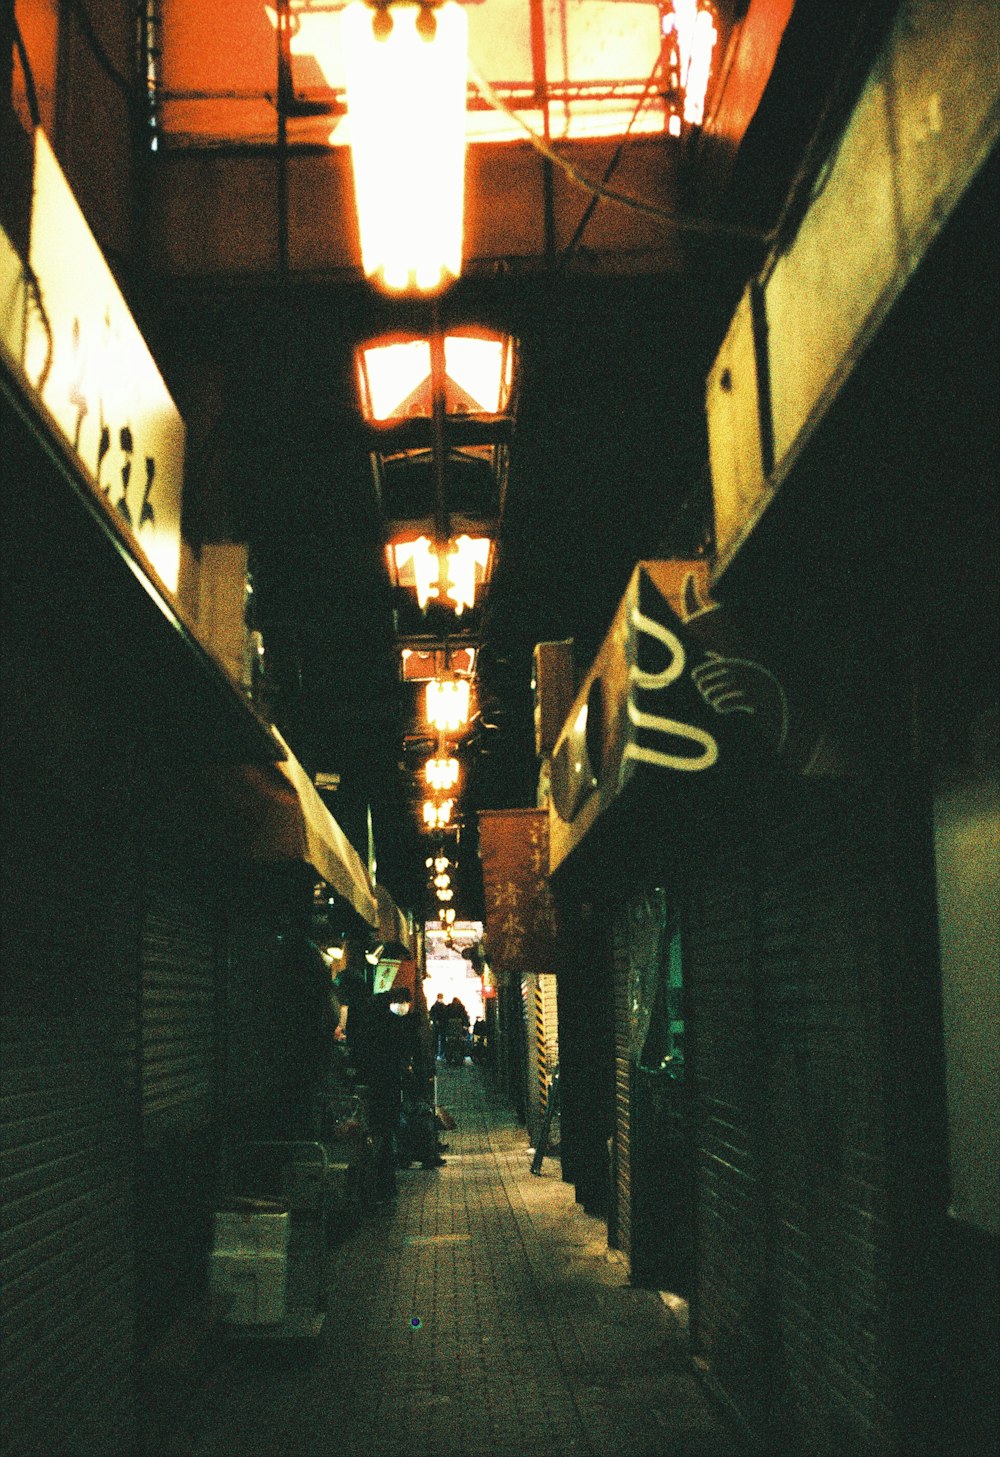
x,y
738,685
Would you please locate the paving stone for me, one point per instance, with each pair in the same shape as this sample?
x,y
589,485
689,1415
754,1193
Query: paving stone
x,y
530,1338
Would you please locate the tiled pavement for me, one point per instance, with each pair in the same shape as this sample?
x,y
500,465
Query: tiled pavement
x,y
484,1314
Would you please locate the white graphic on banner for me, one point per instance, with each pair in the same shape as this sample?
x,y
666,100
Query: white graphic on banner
x,y
669,727
87,362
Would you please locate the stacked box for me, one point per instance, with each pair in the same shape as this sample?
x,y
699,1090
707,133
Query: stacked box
x,y
249,1263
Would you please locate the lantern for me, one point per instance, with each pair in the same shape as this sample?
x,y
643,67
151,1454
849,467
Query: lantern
x,y
406,74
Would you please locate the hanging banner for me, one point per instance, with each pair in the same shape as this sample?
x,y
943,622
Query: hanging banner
x,y
674,697
520,915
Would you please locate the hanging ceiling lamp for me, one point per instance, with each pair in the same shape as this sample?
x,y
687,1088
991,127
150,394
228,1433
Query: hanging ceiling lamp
x,y
441,773
418,566
691,25
448,704
406,74
436,816
468,567
464,565
396,377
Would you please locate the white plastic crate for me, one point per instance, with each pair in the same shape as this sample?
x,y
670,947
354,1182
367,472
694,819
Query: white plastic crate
x,y
249,1288
252,1227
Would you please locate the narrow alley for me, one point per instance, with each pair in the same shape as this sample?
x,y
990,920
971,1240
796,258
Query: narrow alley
x,y
484,1313
499,572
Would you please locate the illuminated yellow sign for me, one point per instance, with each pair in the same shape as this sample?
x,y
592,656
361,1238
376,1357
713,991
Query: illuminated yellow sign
x,y
88,364
12,299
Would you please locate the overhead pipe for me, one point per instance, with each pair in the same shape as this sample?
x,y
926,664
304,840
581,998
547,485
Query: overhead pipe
x,y
540,75
442,523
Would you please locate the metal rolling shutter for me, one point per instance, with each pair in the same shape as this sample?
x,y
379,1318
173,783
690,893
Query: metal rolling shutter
x,y
539,994
534,1068
68,1107
550,1020
621,1195
179,1012
792,1238
66,1267
540,1055
180,1076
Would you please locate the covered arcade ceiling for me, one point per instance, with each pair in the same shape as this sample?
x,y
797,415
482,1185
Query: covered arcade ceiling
x,y
607,235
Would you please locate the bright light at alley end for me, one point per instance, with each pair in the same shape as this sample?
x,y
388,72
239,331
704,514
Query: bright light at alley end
x,y
406,75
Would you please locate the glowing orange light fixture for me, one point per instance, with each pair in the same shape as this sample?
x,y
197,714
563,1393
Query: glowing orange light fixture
x,y
438,815
441,773
448,704
692,25
406,71
467,566
464,566
417,566
395,376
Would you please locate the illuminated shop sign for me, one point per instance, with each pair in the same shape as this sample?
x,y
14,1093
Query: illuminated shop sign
x,y
87,363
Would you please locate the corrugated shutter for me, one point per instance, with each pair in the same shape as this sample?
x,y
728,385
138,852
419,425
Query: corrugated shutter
x,y
68,1100
67,1261
181,1069
793,1250
621,1233
539,993
533,1064
550,1020
179,1012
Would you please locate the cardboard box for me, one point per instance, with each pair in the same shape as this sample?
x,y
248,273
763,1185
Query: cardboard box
x,y
252,1230
249,1289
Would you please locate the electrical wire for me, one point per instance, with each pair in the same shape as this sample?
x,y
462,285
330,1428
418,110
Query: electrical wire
x,y
29,80
705,226
100,55
609,170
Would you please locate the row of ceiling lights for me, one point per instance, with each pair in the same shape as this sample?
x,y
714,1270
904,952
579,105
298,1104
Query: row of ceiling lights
x,y
407,74
444,401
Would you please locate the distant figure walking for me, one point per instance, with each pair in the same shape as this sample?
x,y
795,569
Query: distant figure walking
x,y
456,1032
439,1021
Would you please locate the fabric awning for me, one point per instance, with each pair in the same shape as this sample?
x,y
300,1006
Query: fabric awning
x,y
279,816
326,848
393,927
